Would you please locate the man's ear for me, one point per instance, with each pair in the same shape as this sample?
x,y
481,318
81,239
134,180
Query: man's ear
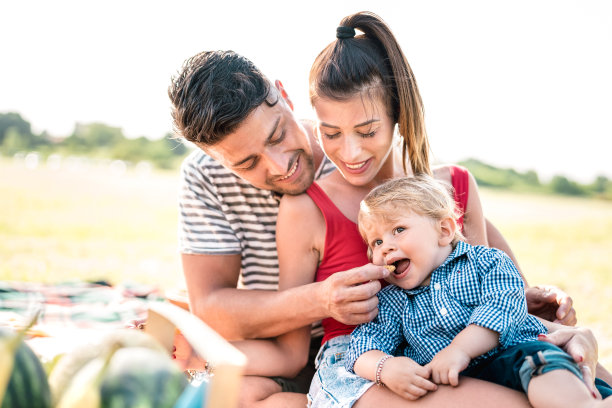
x,y
448,227
279,85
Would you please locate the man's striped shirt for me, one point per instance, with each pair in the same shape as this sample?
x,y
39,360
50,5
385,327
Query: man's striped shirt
x,y
221,214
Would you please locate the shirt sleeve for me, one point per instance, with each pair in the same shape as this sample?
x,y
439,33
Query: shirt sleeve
x,y
203,227
502,307
384,333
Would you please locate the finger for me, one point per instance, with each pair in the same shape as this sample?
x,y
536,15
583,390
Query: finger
x,y
423,371
587,378
425,384
417,391
357,318
365,290
453,377
561,338
435,376
569,319
361,306
444,376
540,294
364,274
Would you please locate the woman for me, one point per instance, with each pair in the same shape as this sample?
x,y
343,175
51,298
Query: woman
x,y
360,87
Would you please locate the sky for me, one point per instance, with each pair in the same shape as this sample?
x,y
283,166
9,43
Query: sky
x,y
525,84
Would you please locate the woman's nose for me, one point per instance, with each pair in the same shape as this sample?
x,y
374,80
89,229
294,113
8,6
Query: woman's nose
x,y
351,149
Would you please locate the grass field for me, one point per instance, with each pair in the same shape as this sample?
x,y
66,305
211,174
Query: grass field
x,y
89,223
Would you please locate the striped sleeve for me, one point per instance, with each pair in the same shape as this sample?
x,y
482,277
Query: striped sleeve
x,y
203,226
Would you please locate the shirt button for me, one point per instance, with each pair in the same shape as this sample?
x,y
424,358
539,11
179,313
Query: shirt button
x,y
437,286
443,311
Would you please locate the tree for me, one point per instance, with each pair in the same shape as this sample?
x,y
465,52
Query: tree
x,y
15,121
562,185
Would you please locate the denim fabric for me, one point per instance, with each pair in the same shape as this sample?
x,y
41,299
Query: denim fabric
x,y
332,385
517,365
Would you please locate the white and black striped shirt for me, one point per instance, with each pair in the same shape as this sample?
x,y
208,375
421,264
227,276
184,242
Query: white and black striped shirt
x,y
221,214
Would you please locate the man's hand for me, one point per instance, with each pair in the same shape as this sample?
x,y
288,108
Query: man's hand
x,y
551,303
581,345
447,364
350,296
406,378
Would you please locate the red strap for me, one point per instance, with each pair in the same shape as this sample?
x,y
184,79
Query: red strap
x,y
460,179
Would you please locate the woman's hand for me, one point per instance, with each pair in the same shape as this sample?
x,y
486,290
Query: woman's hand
x,y
581,345
551,303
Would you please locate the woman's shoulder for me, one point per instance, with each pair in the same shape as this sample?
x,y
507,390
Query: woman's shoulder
x,y
445,172
296,203
442,172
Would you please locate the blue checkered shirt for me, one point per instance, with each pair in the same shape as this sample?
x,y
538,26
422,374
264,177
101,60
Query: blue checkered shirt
x,y
474,285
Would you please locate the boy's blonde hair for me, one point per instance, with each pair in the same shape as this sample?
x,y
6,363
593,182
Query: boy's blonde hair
x,y
421,194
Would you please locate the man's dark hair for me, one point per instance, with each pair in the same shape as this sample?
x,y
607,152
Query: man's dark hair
x,y
213,93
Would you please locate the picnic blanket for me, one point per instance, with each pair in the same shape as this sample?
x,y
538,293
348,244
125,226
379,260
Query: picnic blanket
x,y
71,312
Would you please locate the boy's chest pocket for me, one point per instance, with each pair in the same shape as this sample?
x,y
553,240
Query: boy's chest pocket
x,y
464,288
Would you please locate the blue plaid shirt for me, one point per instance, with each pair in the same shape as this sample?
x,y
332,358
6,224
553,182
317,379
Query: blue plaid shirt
x,y
474,285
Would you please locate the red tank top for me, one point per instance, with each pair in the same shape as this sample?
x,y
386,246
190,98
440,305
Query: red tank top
x,y
460,180
344,247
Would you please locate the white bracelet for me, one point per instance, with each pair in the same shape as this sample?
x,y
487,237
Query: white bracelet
x,y
379,367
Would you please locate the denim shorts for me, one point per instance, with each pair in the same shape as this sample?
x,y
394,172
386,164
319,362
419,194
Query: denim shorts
x,y
517,365
333,385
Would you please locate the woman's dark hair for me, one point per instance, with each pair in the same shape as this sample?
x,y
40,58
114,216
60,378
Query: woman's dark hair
x,y
214,92
374,63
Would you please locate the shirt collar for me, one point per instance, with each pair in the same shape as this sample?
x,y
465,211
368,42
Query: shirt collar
x,y
462,248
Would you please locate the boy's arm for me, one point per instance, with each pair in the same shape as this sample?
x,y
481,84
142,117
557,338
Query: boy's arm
x,y
400,374
470,343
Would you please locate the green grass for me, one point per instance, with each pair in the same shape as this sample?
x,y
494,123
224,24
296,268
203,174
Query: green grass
x,y
565,242
89,224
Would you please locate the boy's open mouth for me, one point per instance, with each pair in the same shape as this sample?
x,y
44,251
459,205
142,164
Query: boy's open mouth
x,y
400,268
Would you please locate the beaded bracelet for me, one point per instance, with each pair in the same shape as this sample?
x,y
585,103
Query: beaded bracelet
x,y
379,367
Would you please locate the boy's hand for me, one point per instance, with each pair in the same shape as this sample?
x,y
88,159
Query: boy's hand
x,y
406,378
447,364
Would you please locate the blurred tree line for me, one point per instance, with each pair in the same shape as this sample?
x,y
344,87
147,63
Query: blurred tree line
x,y
95,140
510,179
98,140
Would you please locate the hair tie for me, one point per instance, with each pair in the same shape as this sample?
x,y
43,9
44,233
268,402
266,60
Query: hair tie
x,y
343,32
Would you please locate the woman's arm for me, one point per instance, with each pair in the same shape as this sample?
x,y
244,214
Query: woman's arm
x,y
474,226
300,232
284,356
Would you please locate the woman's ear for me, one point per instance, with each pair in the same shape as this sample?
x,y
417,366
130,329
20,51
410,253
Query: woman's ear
x,y
281,88
447,229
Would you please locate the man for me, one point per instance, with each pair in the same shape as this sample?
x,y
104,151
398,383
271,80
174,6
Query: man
x,y
251,151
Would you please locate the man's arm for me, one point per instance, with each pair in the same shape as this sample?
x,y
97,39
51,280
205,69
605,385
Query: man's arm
x,y
240,314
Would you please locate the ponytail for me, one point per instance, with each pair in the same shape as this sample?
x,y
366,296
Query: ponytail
x,y
351,64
